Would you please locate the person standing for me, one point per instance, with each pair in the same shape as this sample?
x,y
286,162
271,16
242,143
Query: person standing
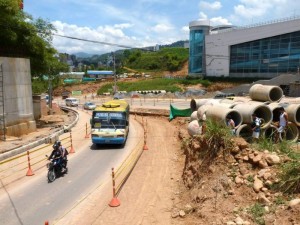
x,y
256,122
283,122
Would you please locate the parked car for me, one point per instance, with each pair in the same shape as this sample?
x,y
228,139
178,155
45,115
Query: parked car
x,y
89,106
72,102
224,95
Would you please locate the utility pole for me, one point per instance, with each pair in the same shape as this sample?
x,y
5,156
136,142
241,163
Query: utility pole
x,y
115,76
50,92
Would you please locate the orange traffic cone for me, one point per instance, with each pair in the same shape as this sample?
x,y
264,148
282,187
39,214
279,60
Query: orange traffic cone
x,y
72,149
29,172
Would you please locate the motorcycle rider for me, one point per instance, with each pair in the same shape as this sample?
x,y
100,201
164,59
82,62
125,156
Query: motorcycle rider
x,y
56,154
64,153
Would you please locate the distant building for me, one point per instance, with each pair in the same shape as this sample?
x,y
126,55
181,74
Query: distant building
x,y
100,74
261,50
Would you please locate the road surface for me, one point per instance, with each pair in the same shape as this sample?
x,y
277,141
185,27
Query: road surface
x,y
32,200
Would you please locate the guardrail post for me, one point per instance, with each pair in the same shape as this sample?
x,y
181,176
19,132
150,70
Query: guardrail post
x,y
72,149
115,201
29,172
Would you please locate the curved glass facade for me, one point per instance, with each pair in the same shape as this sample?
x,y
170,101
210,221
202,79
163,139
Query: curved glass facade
x,y
277,54
196,51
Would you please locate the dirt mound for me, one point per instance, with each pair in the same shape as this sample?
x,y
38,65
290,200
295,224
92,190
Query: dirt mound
x,y
233,187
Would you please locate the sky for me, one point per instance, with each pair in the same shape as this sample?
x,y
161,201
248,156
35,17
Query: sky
x,y
142,23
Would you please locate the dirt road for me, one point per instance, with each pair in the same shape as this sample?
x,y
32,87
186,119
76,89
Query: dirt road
x,y
150,193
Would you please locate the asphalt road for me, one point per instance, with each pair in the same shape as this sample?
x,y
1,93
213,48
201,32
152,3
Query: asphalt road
x,y
32,200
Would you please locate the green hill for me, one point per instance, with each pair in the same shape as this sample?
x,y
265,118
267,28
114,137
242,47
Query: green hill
x,y
170,59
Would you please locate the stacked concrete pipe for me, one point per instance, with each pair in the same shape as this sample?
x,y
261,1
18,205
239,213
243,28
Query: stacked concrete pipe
x,y
196,103
244,131
260,109
259,92
194,128
292,132
202,110
270,132
194,116
275,108
219,112
293,111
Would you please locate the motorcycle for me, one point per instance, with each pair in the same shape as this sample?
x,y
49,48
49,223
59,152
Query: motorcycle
x,y
55,169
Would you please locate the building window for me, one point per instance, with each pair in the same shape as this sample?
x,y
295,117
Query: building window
x,y
270,55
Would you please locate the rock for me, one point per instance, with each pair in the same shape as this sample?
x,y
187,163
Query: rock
x,y
175,213
267,209
251,156
294,202
230,223
235,150
272,159
263,199
188,208
262,172
181,213
266,176
263,163
257,185
246,158
238,180
269,183
243,169
242,143
239,221
257,158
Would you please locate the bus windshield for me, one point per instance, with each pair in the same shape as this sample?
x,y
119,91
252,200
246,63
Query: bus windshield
x,y
115,120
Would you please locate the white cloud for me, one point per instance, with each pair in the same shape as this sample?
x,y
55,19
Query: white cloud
x,y
219,21
210,6
202,16
107,34
185,29
162,28
258,8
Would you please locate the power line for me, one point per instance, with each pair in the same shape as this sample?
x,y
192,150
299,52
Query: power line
x,y
92,41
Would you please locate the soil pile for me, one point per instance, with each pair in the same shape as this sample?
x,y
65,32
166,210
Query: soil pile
x,y
232,183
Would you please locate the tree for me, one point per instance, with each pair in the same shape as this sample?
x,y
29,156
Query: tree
x,y
22,36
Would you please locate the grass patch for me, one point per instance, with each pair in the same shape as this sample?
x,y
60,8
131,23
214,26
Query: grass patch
x,y
257,211
218,139
170,85
289,178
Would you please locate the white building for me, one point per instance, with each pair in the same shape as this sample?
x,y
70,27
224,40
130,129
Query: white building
x,y
261,50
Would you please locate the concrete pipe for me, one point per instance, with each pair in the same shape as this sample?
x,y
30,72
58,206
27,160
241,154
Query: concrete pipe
x,y
275,111
244,131
194,128
194,116
259,92
291,133
202,110
218,112
293,111
196,103
269,132
261,110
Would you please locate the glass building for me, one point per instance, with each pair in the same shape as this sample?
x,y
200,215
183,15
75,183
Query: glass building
x,y
278,54
263,50
198,30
